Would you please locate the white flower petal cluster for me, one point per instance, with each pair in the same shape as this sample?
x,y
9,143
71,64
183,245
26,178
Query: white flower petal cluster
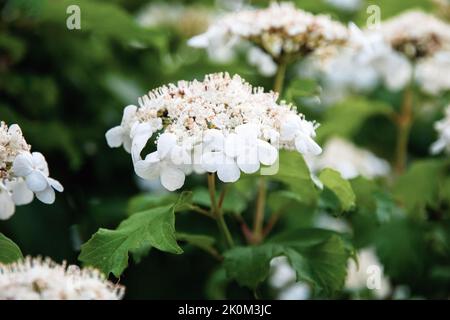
x,y
349,160
43,279
221,124
22,174
366,61
280,31
443,128
416,34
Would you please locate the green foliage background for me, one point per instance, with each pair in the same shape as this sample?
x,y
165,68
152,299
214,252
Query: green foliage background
x,y
66,88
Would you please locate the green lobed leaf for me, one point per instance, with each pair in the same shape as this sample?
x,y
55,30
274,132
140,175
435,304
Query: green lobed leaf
x,y
342,188
148,201
9,251
419,186
318,256
108,249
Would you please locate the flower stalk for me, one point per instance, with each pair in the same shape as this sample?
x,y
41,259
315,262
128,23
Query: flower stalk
x,y
217,212
404,123
262,186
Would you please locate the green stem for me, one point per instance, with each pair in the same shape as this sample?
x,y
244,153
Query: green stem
x,y
217,212
259,213
279,76
262,187
404,123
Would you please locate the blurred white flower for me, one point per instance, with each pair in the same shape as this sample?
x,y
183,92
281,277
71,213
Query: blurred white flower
x,y
281,31
349,160
367,60
221,124
262,61
185,20
346,5
443,128
416,34
22,174
365,274
433,74
283,280
38,279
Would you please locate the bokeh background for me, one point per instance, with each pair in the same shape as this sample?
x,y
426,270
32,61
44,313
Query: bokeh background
x,y
66,88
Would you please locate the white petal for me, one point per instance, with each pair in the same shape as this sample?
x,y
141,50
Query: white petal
x,y
128,113
180,157
14,129
438,146
114,137
46,196
290,128
248,130
23,164
40,163
149,168
212,160
36,181
306,145
7,207
213,140
20,193
199,41
140,134
248,161
172,178
267,153
55,184
127,143
228,172
233,145
166,142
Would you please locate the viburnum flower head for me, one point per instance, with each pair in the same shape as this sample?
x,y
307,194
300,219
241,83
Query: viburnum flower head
x,y
43,279
22,174
416,34
281,31
219,125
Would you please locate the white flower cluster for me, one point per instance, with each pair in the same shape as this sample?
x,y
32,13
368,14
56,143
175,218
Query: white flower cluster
x,y
43,279
416,34
22,174
433,73
280,31
221,124
349,160
365,62
387,56
443,128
